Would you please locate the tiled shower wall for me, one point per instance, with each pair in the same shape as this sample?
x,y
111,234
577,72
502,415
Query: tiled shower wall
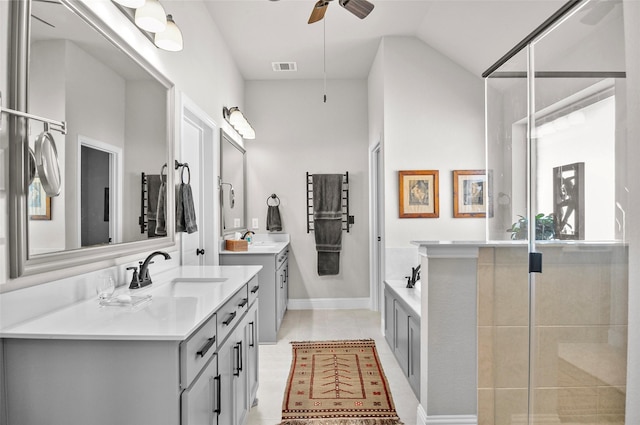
x,y
579,360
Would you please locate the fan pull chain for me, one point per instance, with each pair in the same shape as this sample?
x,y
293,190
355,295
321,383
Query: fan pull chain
x,y
324,56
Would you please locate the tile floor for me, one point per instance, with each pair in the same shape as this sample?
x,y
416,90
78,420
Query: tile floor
x,y
307,325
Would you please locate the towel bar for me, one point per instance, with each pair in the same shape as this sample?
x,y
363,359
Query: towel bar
x,y
347,220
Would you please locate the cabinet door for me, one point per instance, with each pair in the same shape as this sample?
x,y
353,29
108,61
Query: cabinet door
x,y
252,352
414,355
201,402
388,319
281,295
225,364
240,382
401,331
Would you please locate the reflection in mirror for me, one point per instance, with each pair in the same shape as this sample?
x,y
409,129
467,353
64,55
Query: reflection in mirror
x,y
114,111
232,185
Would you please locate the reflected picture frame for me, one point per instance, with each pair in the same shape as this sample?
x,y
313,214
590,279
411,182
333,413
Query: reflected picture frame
x,y
38,203
418,194
471,193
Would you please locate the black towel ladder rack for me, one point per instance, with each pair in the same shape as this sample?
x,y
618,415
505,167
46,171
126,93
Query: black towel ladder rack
x,y
347,220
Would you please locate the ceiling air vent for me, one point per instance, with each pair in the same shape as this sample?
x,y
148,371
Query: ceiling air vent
x,y
284,66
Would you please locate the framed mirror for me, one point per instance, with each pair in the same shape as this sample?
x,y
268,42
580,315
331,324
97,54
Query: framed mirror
x,y
232,186
68,65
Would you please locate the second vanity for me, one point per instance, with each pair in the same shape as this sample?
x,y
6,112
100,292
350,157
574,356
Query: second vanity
x,y
187,356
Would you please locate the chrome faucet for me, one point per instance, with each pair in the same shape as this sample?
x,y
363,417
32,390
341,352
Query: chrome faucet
x,y
141,278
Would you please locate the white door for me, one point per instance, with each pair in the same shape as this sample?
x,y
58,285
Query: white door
x,y
198,149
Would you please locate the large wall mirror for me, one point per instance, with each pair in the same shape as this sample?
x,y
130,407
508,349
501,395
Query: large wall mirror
x,y
232,186
70,66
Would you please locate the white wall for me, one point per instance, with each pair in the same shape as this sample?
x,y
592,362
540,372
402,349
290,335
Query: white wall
x,y
298,133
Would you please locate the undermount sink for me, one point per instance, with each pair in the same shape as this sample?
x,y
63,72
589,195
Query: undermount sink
x,y
184,286
261,244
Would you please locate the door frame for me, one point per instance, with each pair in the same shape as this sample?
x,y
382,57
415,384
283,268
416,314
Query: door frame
x,y
191,112
115,182
376,229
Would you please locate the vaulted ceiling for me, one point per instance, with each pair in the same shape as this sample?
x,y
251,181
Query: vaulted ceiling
x,y
473,33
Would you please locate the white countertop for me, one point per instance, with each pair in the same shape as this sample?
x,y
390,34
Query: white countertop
x,y
411,296
260,247
182,299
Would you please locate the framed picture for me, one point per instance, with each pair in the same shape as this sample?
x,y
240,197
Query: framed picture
x,y
39,203
419,194
568,201
471,191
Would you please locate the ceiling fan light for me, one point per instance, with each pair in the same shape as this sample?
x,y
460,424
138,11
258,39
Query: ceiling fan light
x,y
133,4
151,16
360,8
171,38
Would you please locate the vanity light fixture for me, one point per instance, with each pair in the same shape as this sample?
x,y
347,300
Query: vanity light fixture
x,y
134,4
151,16
236,118
171,38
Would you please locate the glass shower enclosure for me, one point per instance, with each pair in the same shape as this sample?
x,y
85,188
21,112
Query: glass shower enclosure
x,y
552,344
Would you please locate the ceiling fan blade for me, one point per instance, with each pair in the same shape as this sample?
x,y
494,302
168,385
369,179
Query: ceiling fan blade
x,y
360,8
318,11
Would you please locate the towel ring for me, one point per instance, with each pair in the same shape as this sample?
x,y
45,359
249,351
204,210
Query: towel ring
x,y
185,166
275,198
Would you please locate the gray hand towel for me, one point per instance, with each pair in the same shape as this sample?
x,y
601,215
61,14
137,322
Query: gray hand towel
x,y
185,210
327,221
274,222
161,211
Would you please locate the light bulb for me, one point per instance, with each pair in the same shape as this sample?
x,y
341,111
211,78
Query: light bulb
x,y
171,38
151,16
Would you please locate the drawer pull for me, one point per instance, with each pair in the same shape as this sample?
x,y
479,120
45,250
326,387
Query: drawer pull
x,y
240,344
229,318
243,302
207,346
255,289
236,366
218,387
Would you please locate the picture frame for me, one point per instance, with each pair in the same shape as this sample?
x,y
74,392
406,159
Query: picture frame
x,y
471,193
419,194
38,203
568,204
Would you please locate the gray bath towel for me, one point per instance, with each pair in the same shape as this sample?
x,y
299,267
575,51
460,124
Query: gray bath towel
x,y
327,221
161,210
185,210
274,222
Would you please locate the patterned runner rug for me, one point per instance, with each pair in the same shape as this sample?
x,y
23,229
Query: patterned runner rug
x,y
337,383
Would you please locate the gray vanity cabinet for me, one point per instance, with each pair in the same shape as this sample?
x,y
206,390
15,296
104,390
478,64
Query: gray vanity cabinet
x,y
201,403
274,287
402,332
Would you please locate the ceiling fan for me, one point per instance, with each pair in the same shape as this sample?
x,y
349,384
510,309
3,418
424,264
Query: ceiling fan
x,y
360,8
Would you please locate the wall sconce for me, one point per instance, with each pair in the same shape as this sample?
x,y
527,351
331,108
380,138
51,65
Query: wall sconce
x,y
239,123
151,19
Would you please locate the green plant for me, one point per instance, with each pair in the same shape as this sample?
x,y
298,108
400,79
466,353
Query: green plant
x,y
545,227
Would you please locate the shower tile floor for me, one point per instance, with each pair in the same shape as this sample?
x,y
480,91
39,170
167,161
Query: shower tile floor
x,y
309,325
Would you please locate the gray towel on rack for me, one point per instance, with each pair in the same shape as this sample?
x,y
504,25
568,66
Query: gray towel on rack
x,y
185,210
274,222
327,221
161,210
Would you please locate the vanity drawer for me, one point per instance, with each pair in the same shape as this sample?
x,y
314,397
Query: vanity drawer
x,y
197,350
231,313
254,289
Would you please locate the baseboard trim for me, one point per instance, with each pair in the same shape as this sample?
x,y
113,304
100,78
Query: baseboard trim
x,y
329,304
424,419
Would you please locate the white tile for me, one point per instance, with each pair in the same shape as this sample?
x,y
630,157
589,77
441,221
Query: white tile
x,y
309,325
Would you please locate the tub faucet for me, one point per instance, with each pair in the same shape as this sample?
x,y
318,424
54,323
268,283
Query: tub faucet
x,y
415,276
141,278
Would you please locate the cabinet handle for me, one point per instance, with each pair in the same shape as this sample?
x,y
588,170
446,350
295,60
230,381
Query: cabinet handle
x,y
207,346
240,357
229,318
281,281
218,400
243,302
255,289
253,340
236,366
